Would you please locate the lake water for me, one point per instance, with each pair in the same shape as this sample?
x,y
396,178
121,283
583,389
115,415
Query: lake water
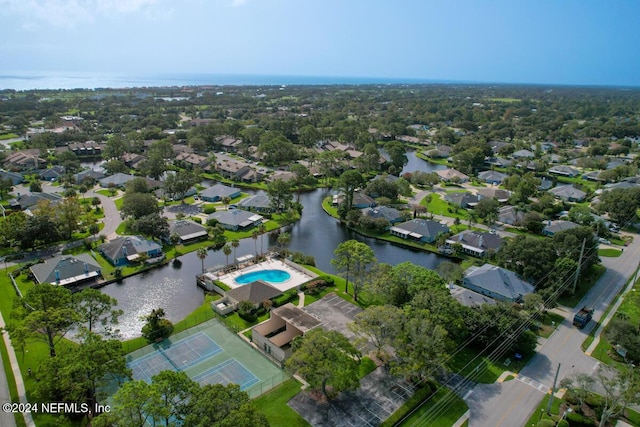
x,y
174,289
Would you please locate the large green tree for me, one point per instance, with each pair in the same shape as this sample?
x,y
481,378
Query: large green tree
x,y
354,259
349,182
379,325
47,314
280,194
97,311
337,367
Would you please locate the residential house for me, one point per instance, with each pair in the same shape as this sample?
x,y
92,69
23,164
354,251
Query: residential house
x,y
125,249
568,193
592,176
554,227
192,160
476,243
621,185
492,177
522,155
67,270
259,202
499,162
469,298
87,148
133,160
281,175
545,184
496,146
510,215
218,192
26,201
187,230
496,282
449,175
24,160
465,199
285,323
229,143
237,219
15,178
237,170
390,214
52,174
440,152
564,170
118,180
360,200
421,230
88,175
494,193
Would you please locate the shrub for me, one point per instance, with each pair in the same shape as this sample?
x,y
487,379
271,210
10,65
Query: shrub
x,y
209,209
546,423
579,420
211,222
197,219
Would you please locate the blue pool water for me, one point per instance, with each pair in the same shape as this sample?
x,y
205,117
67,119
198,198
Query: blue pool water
x,y
271,276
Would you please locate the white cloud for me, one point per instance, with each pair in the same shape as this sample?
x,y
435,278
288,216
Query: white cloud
x,y
236,3
70,13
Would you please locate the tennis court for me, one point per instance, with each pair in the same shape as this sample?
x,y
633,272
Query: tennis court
x,y
176,356
209,354
230,371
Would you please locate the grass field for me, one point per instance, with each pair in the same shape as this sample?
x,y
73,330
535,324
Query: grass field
x,y
609,252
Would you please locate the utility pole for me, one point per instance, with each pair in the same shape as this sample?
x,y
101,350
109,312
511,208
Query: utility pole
x,y
553,390
575,279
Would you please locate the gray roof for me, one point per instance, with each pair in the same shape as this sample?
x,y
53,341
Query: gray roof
x,y
559,225
523,153
15,178
119,179
297,317
492,176
568,191
31,199
621,185
186,229
66,269
260,200
235,217
254,292
89,173
382,212
422,227
495,193
127,246
564,170
498,280
477,240
469,298
510,214
462,199
219,190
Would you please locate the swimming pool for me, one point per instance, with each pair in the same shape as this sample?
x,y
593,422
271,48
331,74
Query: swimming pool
x,y
271,276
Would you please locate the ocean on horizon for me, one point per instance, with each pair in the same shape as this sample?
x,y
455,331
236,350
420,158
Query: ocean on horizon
x,y
74,80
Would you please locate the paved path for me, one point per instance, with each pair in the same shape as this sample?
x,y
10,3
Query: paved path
x,y
7,419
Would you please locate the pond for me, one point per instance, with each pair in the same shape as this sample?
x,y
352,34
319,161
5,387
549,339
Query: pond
x,y
174,288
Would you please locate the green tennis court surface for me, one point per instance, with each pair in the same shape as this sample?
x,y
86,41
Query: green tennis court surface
x,y
208,354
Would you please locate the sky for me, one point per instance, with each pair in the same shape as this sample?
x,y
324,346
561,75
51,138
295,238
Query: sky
x,y
576,42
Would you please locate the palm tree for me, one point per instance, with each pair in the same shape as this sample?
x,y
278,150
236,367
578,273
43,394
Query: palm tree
x,y
262,229
226,200
202,254
254,236
234,244
227,251
283,240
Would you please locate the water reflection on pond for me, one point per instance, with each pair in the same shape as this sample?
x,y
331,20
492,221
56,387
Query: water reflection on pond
x,y
173,288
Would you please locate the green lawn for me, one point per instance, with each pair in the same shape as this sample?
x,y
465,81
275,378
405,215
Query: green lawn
x,y
8,136
438,206
609,252
274,405
481,369
436,411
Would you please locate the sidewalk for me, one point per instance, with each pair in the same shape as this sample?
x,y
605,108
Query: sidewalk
x,y
22,394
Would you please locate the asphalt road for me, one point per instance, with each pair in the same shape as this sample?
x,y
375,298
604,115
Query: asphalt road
x,y
511,403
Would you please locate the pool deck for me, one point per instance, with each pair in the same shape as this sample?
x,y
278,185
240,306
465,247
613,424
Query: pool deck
x,y
298,276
